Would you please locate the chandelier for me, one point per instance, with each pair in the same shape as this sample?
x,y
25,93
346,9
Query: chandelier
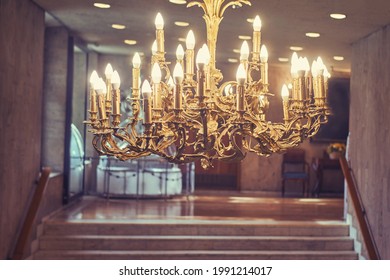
x,y
191,115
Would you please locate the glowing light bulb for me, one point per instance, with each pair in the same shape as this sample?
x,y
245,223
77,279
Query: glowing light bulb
x,y
190,40
108,71
285,92
159,21
263,54
257,24
94,78
179,52
244,52
178,73
241,74
115,80
146,89
136,60
156,73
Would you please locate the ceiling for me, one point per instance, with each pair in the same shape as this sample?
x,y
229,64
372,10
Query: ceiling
x,y
284,23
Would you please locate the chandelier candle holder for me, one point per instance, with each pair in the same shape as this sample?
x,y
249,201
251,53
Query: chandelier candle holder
x,y
192,115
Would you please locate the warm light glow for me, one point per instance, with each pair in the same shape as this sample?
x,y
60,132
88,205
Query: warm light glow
x,y
115,80
338,58
102,5
156,73
178,74
170,83
244,52
190,41
241,74
320,64
94,78
285,92
108,71
294,64
244,37
200,58
159,22
312,34
154,47
99,85
227,90
326,72
181,23
103,86
296,48
130,42
236,51
314,69
283,59
338,16
118,26
136,60
179,52
305,64
146,89
263,54
232,60
257,24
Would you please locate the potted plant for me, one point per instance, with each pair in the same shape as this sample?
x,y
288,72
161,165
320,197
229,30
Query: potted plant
x,y
335,150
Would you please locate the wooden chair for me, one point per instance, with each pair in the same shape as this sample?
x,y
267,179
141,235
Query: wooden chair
x,y
295,168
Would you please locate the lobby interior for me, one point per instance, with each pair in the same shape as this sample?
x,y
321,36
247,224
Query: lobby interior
x,y
48,50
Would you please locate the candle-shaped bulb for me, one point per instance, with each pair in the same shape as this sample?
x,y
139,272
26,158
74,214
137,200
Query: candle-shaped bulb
x,y
115,80
241,75
314,69
103,85
159,21
179,52
108,71
146,89
178,74
326,72
301,64
257,24
190,40
98,86
227,90
200,59
294,65
94,78
306,65
285,92
170,83
156,73
294,58
206,53
263,54
136,60
320,64
154,47
244,52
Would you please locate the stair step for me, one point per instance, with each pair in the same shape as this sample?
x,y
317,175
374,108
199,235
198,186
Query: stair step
x,y
91,242
195,255
214,228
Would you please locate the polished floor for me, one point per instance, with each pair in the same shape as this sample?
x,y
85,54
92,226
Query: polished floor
x,y
207,208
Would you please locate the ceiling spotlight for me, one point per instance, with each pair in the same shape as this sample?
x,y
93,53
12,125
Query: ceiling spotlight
x,y
283,59
338,16
102,5
130,42
236,51
179,2
250,20
244,37
296,48
233,60
118,26
181,23
183,40
338,58
312,34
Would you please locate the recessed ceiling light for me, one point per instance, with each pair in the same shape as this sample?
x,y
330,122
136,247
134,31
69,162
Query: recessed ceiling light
x,y
181,23
338,58
183,40
312,34
244,37
118,26
102,5
296,48
130,42
179,2
283,59
233,60
338,16
250,20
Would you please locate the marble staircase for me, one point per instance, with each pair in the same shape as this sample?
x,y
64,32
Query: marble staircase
x,y
195,239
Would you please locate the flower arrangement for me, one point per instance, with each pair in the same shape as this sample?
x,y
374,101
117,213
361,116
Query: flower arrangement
x,y
335,150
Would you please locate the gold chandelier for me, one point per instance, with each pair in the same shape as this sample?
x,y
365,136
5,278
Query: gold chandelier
x,y
189,115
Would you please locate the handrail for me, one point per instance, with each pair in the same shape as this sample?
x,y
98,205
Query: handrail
x,y
28,221
361,214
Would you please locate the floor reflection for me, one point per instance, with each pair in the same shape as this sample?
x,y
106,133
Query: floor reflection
x,y
203,207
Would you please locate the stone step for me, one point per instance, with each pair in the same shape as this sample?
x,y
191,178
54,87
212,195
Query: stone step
x,y
108,242
195,255
206,228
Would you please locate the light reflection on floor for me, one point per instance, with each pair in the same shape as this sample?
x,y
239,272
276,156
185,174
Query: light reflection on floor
x,y
203,208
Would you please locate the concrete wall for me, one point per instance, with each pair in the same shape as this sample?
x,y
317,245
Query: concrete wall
x,y
21,75
369,131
